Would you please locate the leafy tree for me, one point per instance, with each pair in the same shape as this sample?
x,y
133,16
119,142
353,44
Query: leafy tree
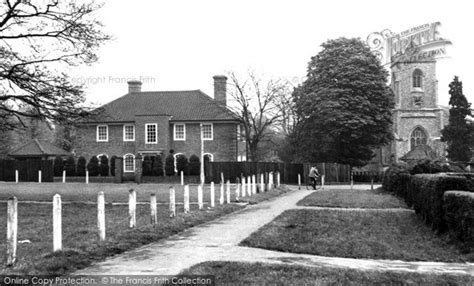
x,y
81,166
93,166
182,164
58,166
169,165
157,166
147,166
104,166
459,133
38,40
194,165
344,105
112,165
70,166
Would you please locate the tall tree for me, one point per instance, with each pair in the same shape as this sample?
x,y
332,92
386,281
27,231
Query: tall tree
x,y
459,133
344,106
39,41
257,103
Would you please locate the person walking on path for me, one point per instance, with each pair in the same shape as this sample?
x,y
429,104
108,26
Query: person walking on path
x,y
313,175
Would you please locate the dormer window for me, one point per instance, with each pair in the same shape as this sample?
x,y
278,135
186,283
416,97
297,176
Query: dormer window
x,y
418,79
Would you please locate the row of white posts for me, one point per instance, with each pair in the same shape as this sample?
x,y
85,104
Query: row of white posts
x,y
248,187
323,178
17,176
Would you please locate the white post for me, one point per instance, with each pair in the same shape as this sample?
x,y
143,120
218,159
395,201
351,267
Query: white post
x,y
186,199
228,192
262,183
278,179
254,185
237,191
323,178
153,211
57,223
101,215
352,181
270,181
132,207
12,230
221,199
200,203
299,181
222,178
249,186
244,187
87,176
172,202
201,171
213,195
16,176
64,176
39,176
182,178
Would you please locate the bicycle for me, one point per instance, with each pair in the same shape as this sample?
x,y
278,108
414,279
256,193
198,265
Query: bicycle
x,y
309,184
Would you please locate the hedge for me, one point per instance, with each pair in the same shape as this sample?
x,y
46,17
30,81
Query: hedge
x,y
459,215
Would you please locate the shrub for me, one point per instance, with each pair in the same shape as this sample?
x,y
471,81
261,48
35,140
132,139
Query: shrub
x,y
112,165
70,166
426,166
459,215
81,166
58,166
157,166
396,179
194,165
104,166
93,166
147,166
182,164
169,165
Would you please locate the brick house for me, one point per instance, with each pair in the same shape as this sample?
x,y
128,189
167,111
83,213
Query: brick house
x,y
162,122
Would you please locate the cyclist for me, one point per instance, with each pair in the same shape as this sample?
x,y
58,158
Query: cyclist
x,y
313,175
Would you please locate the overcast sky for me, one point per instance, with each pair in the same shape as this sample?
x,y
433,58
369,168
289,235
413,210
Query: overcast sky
x,y
179,45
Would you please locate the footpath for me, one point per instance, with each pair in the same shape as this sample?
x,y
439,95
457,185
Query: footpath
x,y
218,241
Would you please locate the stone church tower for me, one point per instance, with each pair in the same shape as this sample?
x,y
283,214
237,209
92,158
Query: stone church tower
x,y
417,117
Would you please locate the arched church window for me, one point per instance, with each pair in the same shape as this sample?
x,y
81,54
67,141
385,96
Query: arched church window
x,y
418,79
418,137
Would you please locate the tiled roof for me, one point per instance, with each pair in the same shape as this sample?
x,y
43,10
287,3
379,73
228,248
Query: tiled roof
x,y
419,152
189,105
37,147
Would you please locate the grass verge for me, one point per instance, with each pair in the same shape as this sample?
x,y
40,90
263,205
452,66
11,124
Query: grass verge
x,y
375,199
269,274
80,240
356,234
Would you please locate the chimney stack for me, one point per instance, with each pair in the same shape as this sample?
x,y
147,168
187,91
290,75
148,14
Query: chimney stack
x,y
134,86
220,89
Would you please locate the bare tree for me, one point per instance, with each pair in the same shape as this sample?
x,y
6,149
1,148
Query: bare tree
x,y
39,41
257,103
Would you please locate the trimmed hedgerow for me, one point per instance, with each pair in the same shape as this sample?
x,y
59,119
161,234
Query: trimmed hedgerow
x,y
93,166
147,166
182,164
396,179
194,165
81,166
58,166
104,166
70,166
459,215
157,166
169,165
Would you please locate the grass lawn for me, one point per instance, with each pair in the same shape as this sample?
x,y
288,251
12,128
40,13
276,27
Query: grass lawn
x,y
80,240
356,234
81,192
375,199
269,274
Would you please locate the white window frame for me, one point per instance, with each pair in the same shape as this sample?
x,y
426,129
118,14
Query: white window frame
x,y
184,132
124,132
212,131
125,163
156,133
106,133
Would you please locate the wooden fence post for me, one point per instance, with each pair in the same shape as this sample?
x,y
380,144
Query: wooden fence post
x,y
153,211
12,230
323,178
262,183
299,181
39,176
237,191
352,180
270,181
186,199
172,202
249,186
221,199
213,195
64,176
372,183
17,176
200,202
182,178
278,179
57,223
228,192
132,208
254,185
222,178
244,187
87,176
101,215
